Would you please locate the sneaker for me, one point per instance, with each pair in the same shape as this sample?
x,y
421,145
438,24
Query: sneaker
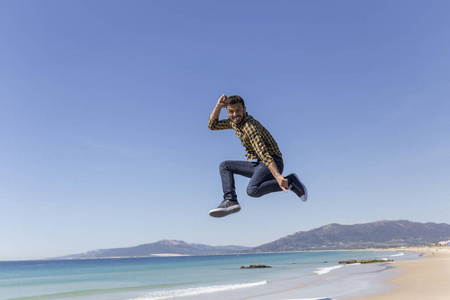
x,y
298,187
225,208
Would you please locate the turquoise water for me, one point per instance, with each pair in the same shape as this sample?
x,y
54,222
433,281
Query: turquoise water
x,y
164,277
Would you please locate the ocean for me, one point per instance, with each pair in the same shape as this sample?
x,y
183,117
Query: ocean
x,y
185,277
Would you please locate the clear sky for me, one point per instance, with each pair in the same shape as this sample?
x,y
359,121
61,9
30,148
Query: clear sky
x,y
104,108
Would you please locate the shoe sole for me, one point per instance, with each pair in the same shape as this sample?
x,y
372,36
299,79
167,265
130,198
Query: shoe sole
x,y
222,212
303,197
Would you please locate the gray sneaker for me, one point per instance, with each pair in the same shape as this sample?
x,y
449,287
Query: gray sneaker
x,y
225,208
297,187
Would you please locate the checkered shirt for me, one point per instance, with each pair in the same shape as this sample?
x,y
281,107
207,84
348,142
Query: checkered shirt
x,y
256,139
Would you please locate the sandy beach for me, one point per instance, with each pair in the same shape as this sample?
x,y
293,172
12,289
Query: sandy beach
x,y
416,267
425,279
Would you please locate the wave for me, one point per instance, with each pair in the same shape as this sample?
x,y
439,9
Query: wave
x,y
393,255
161,295
321,271
92,292
398,254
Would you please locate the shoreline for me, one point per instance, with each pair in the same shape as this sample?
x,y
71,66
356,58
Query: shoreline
x,y
338,282
422,274
416,273
425,278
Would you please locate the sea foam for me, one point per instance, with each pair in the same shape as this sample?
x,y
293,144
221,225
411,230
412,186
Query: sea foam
x,y
321,271
398,254
393,255
197,291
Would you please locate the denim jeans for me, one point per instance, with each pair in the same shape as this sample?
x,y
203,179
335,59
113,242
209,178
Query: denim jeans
x,y
261,183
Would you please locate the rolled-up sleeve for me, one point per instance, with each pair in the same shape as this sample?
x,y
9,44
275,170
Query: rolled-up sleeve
x,y
215,124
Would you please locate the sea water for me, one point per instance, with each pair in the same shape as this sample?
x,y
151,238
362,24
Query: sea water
x,y
182,277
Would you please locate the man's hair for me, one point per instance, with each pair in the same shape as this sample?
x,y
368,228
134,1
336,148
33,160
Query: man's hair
x,y
235,99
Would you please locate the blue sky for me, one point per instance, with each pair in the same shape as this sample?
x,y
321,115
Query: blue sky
x,y
104,108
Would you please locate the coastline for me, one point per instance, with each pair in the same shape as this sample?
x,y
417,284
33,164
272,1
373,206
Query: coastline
x,y
415,273
337,282
425,278
422,274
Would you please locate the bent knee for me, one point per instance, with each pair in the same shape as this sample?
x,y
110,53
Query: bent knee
x,y
223,165
254,191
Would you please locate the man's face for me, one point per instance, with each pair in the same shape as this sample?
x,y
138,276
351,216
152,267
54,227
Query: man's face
x,y
236,112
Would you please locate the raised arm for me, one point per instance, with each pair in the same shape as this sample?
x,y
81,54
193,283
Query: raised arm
x,y
221,103
214,123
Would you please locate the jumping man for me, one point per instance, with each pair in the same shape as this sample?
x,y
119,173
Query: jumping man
x,y
264,163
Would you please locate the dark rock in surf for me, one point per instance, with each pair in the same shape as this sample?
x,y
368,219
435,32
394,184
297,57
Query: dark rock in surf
x,y
255,267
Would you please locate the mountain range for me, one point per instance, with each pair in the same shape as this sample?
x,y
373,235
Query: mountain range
x,y
164,247
381,234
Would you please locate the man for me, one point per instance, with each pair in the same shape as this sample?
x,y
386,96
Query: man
x,y
264,163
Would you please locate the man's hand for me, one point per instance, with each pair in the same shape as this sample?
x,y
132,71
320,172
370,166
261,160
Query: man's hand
x,y
222,102
283,183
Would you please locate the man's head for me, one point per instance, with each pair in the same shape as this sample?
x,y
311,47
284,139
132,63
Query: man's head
x,y
236,109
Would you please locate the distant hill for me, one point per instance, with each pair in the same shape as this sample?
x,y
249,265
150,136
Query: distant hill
x,y
161,247
381,234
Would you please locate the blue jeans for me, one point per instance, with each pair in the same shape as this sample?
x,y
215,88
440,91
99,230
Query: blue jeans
x,y
262,181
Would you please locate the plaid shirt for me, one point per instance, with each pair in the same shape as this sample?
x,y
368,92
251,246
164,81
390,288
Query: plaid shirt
x,y
256,139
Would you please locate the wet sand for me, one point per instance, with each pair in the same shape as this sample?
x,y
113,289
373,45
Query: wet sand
x,y
424,279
